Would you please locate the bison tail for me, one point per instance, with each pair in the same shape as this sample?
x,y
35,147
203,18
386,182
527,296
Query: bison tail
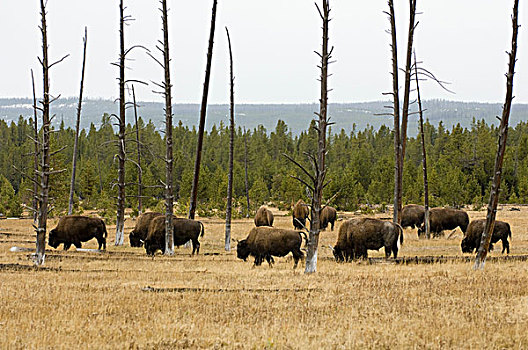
x,y
401,233
202,230
305,238
104,229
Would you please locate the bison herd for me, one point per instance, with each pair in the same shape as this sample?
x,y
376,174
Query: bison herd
x,y
355,236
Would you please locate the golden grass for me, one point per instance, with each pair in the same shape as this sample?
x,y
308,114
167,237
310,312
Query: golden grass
x,y
99,301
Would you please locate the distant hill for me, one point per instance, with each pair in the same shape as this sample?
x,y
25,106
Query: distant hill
x,y
296,116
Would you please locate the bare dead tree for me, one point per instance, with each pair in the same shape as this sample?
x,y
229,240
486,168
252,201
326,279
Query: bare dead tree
x,y
503,135
424,154
35,153
138,143
77,125
318,161
231,148
203,111
246,171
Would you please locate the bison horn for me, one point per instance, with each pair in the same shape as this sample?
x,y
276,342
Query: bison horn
x,y
331,247
142,241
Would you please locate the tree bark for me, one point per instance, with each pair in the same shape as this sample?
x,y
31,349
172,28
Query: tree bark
x,y
169,159
246,172
138,143
121,156
77,126
36,153
231,148
203,111
495,187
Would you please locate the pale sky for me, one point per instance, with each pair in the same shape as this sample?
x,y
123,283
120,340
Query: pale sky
x,y
461,41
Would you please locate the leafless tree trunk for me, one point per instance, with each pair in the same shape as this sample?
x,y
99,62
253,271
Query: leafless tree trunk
x,y
36,153
424,154
77,125
231,149
203,111
495,187
246,171
138,142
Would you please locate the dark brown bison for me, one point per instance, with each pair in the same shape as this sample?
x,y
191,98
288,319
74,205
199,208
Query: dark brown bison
x,y
367,234
471,240
441,219
328,215
74,229
264,217
300,213
139,233
412,215
266,242
184,230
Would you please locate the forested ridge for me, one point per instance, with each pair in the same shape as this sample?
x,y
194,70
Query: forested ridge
x,y
360,166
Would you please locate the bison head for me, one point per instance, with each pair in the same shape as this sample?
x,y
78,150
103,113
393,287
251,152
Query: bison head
x,y
135,241
243,249
466,245
53,241
338,254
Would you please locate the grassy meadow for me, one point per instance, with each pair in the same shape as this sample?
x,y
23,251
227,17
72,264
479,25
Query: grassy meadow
x,y
123,299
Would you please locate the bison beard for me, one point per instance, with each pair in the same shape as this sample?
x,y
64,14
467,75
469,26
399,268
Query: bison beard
x,y
471,240
74,229
184,230
139,233
266,242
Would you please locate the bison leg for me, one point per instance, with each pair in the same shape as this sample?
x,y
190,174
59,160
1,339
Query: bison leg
x,y
388,251
77,245
505,246
102,243
67,246
270,260
196,246
332,227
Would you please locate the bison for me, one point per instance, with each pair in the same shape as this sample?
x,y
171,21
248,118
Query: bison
x,y
266,242
445,219
359,235
412,216
328,215
471,240
139,233
74,229
184,230
264,217
300,213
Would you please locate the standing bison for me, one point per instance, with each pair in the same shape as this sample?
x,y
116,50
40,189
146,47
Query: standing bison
x,y
356,236
139,233
412,215
264,217
74,229
184,230
441,219
328,215
471,240
300,213
266,242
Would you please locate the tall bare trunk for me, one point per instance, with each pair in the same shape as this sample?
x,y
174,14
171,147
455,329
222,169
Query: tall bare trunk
x,y
203,112
424,154
169,196
495,187
121,155
138,143
231,148
77,126
246,172
35,154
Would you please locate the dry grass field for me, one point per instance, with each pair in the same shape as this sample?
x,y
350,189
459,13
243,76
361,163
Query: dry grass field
x,y
123,299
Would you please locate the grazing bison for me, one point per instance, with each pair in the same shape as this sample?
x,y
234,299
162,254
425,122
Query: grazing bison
x,y
300,213
74,229
412,215
266,242
139,233
328,215
360,235
184,230
471,240
264,217
445,219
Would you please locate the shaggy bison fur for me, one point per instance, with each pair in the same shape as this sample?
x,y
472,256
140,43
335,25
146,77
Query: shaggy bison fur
x,y
471,240
74,229
139,233
184,230
441,219
300,213
264,217
266,242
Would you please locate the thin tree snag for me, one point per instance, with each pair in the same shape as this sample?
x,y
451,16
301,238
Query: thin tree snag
x,y
203,112
424,154
121,155
77,125
246,172
231,148
503,135
169,159
36,153
138,143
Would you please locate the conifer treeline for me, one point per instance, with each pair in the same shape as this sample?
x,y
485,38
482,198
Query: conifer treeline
x,y
360,165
